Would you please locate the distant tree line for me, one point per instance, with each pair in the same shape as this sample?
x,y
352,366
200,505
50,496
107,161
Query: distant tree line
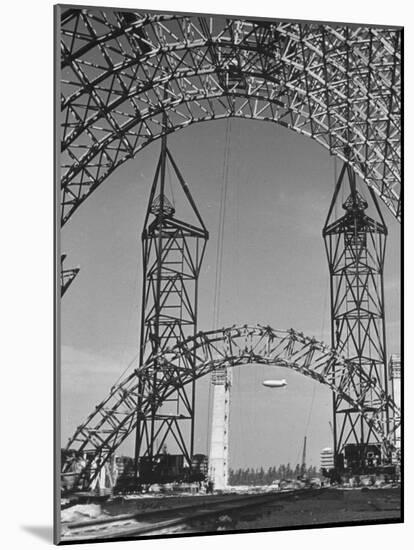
x,y
259,476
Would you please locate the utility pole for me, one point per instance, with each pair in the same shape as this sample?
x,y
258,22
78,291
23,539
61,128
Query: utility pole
x,y
303,465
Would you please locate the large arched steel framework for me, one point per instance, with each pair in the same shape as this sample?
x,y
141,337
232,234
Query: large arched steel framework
x,y
114,419
129,78
123,71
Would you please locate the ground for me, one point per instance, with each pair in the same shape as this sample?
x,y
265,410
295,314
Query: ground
x,y
333,506
327,507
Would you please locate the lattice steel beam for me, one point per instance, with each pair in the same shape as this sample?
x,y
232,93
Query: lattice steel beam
x,y
66,276
114,419
338,84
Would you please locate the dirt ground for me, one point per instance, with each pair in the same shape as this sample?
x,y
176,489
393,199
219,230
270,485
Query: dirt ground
x,y
333,506
328,507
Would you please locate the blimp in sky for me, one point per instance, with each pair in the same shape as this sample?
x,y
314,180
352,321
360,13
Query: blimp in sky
x,y
274,383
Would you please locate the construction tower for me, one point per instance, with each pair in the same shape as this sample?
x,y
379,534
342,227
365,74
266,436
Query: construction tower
x,y
173,244
355,247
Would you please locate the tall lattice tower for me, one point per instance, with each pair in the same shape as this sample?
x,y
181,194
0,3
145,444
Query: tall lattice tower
x,y
355,246
173,248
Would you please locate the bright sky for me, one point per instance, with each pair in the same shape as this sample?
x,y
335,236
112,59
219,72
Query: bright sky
x,y
274,272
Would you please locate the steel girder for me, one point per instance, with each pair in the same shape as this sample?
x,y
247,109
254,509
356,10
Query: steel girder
x,y
66,275
114,419
338,84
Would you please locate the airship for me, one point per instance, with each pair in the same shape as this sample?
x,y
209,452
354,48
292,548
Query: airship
x,y
274,383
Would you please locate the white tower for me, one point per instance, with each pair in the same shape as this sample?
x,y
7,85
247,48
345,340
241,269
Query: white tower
x,y
395,376
218,464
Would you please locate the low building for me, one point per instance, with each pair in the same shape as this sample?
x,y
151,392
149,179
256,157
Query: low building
x,y
327,459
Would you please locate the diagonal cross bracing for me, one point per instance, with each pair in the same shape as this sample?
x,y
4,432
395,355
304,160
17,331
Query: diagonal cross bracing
x,y
114,419
338,84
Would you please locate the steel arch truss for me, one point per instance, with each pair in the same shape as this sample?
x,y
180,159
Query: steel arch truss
x,y
66,275
114,419
120,71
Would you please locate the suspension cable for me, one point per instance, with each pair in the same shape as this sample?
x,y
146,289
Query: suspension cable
x,y
222,219
126,368
219,253
133,305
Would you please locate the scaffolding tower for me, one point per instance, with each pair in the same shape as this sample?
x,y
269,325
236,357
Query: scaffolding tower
x,y
355,247
173,250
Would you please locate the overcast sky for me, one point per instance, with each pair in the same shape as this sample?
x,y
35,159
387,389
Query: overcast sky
x,y
274,272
